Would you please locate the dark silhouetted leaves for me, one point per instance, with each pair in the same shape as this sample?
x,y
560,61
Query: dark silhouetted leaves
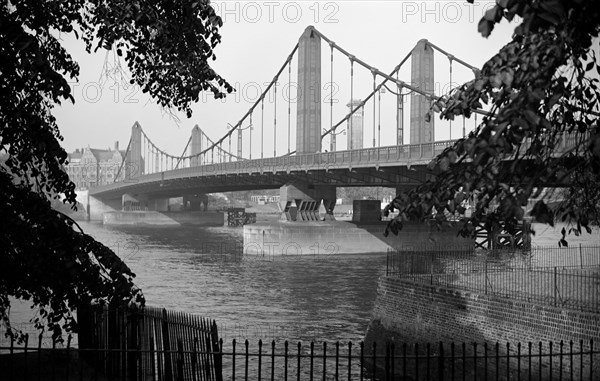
x,y
167,46
541,129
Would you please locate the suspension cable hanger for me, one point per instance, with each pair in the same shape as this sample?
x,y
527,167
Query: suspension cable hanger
x,y
289,105
275,117
262,126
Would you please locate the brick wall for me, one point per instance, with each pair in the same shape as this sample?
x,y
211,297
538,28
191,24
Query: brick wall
x,y
415,312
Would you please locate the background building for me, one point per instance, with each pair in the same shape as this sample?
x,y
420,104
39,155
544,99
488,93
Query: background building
x,y
90,167
355,126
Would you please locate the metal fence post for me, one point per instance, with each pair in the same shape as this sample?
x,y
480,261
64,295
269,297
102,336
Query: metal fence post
x,y
441,362
166,347
132,357
555,287
387,262
486,276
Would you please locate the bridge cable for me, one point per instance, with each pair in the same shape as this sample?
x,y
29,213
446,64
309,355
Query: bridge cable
x,y
332,147
261,99
289,105
123,161
374,105
351,100
399,115
430,96
144,154
250,132
450,58
215,145
473,68
386,78
262,126
179,159
275,117
148,157
151,158
379,120
248,113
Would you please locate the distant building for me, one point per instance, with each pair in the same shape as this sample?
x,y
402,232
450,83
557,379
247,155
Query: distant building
x,y
355,125
91,167
264,199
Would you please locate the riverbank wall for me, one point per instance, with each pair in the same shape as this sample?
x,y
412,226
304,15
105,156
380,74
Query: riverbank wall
x,y
417,312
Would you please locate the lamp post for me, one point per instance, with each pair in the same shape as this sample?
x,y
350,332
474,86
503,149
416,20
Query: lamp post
x,y
332,142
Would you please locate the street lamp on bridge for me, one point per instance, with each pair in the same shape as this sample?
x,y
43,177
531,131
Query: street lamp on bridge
x,y
332,142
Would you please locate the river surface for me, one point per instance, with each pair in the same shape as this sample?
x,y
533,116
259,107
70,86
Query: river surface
x,y
202,271
311,297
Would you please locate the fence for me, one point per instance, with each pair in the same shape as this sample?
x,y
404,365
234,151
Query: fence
x,y
567,277
149,344
329,361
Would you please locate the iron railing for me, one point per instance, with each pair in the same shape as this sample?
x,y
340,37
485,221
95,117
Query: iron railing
x,y
323,361
149,343
567,277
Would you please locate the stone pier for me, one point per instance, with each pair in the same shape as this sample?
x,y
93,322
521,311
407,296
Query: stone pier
x,y
301,202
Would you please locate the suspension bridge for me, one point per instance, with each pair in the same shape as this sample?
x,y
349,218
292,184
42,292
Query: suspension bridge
x,y
306,171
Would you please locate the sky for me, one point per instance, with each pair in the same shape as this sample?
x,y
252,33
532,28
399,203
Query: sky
x,y
257,37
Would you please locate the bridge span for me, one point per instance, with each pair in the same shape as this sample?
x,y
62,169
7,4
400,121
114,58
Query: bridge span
x,y
394,166
307,176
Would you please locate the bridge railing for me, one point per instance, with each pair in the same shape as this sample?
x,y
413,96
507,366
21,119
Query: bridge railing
x,y
314,161
366,157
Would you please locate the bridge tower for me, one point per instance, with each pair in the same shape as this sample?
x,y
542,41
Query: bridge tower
x,y
421,130
196,147
308,129
134,166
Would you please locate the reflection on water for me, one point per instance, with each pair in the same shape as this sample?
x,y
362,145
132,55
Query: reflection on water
x,y
201,270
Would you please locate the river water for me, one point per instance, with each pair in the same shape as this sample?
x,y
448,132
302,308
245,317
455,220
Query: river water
x,y
201,270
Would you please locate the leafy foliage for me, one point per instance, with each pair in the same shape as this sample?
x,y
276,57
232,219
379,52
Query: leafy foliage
x,y
541,130
167,46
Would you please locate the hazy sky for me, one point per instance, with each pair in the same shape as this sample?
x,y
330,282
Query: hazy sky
x,y
256,39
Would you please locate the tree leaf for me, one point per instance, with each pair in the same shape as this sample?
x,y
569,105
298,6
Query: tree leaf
x,y
485,27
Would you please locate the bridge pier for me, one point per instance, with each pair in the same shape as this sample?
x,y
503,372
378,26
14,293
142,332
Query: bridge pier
x,y
307,198
96,207
144,203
